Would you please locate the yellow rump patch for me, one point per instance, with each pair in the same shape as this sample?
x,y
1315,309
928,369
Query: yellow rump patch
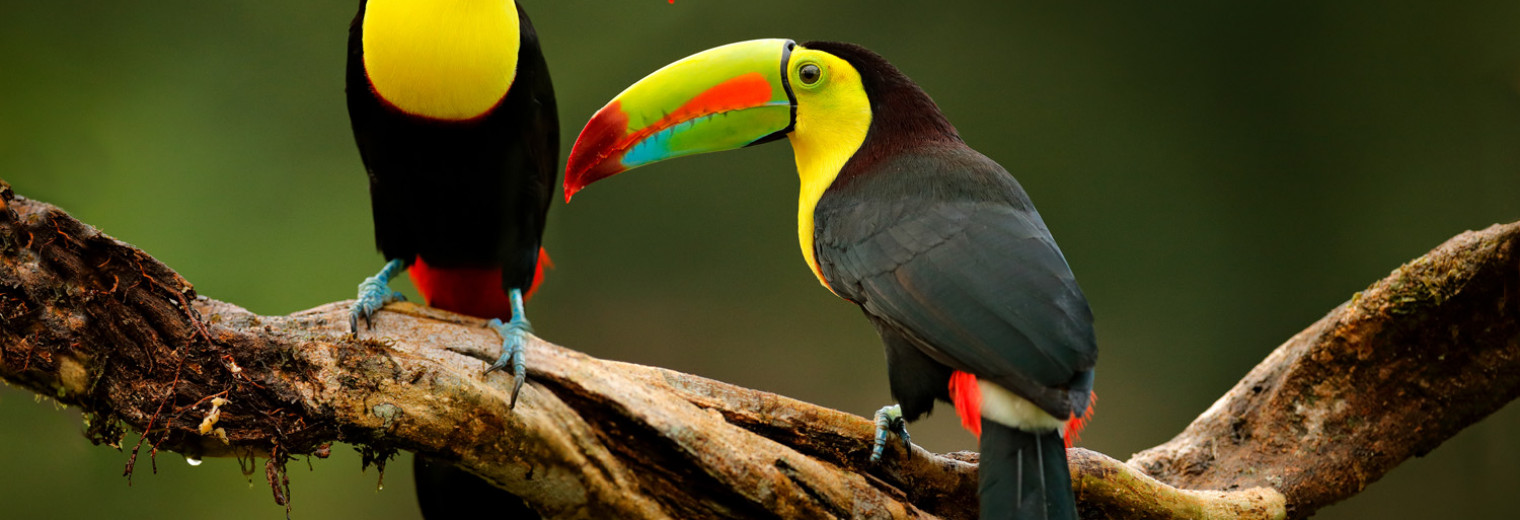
x,y
833,116
442,59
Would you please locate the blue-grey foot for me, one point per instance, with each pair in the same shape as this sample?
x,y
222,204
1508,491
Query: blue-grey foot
x,y
514,336
374,293
889,418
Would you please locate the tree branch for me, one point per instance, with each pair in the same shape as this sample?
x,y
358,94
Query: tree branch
x,y
1393,373
93,322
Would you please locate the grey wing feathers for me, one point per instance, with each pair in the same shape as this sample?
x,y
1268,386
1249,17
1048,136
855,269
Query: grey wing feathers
x,y
979,284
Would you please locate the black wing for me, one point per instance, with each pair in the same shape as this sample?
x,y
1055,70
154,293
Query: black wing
x,y
944,247
530,110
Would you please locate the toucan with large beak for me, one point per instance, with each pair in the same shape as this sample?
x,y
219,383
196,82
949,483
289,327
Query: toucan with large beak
x,y
937,244
454,115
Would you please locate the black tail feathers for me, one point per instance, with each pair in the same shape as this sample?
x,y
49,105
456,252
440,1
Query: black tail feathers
x,y
1024,475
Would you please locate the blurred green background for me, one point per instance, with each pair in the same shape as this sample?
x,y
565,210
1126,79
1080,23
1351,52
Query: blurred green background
x,y
1219,177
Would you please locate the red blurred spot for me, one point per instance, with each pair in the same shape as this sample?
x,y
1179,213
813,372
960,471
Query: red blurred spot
x,y
538,273
967,398
473,291
599,150
1075,424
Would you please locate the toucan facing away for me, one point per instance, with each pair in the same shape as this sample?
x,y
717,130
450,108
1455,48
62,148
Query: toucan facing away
x,y
454,115
937,244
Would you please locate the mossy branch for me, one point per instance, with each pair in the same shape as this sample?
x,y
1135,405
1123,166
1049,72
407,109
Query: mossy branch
x,y
96,323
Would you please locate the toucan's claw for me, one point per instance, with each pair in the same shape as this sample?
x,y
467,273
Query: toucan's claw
x,y
890,418
374,293
514,337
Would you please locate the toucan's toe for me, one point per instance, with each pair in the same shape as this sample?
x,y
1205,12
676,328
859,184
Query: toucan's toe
x,y
374,293
890,418
514,337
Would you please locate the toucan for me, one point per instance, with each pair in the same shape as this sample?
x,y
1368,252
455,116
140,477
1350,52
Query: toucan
x,y
455,119
936,243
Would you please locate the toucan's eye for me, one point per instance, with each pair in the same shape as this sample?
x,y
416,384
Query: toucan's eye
x,y
809,74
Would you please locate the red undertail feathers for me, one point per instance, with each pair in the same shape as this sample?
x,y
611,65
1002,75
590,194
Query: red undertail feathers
x,y
474,291
967,397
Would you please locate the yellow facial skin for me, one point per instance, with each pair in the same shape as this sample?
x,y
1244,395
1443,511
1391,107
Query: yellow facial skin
x,y
833,116
443,59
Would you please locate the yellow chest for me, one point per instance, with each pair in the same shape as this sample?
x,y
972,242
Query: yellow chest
x,y
816,167
442,59
820,156
833,118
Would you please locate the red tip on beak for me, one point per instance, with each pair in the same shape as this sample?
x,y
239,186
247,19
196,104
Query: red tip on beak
x,y
602,134
723,98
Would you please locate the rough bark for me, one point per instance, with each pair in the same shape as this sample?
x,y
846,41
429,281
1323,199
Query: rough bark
x,y
93,322
1406,364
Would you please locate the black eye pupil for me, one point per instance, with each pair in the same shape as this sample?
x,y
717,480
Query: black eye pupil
x,y
809,74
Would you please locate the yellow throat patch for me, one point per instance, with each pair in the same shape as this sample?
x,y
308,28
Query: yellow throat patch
x,y
833,116
443,59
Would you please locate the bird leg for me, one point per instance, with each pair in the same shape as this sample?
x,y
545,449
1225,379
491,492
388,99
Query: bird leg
x,y
374,293
514,336
889,418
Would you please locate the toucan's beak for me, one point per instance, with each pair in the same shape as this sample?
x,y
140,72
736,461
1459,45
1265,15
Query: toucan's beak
x,y
718,99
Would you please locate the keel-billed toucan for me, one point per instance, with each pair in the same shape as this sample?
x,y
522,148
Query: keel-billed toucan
x,y
455,119
938,244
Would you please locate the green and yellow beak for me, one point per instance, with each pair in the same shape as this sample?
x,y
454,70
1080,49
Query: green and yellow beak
x,y
719,99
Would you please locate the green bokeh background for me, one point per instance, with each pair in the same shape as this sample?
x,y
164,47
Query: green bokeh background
x,y
1219,177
